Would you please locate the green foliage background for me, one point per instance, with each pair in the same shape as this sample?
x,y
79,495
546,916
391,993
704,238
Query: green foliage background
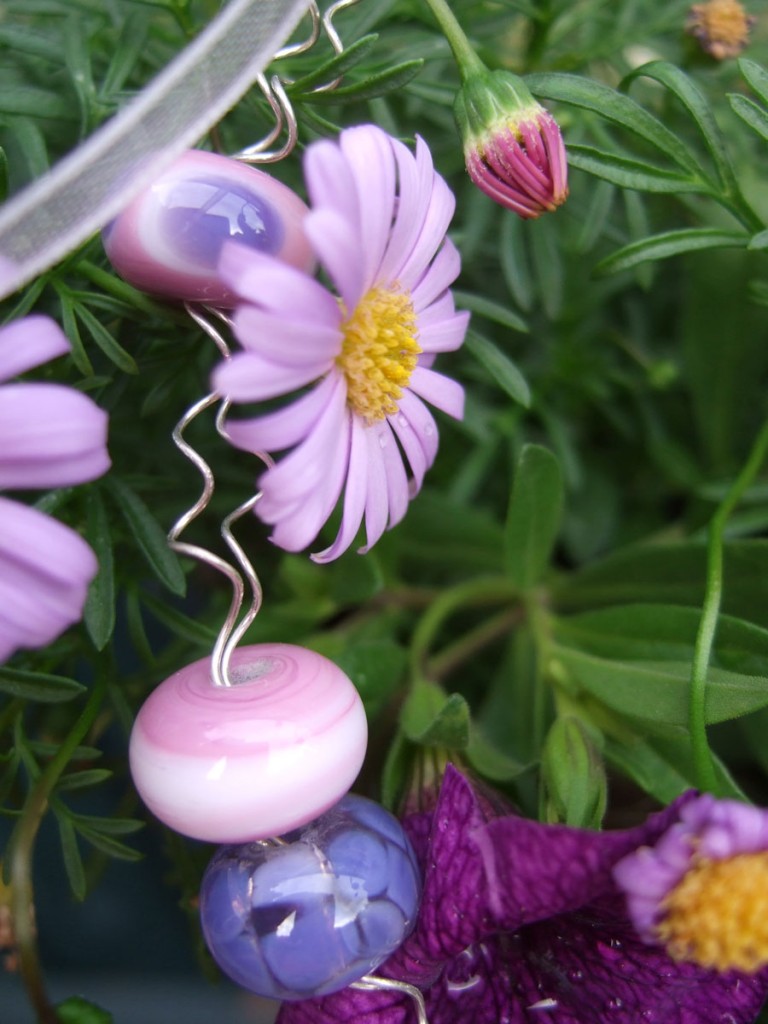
x,y
538,614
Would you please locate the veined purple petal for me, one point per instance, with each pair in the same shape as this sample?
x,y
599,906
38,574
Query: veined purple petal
x,y
368,151
287,341
45,569
50,436
329,178
376,499
442,273
338,249
29,342
246,377
354,495
444,335
285,427
440,391
268,282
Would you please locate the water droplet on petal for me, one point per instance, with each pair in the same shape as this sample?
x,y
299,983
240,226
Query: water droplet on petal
x,y
576,975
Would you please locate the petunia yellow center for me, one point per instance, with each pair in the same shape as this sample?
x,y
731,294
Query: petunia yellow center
x,y
379,352
717,916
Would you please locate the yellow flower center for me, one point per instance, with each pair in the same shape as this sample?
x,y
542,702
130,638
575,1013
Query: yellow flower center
x,y
722,25
379,352
717,916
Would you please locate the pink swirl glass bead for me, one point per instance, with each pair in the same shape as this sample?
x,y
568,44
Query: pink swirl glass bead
x,y
253,760
167,241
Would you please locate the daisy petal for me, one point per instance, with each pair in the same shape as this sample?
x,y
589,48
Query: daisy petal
x,y
288,341
443,272
439,214
285,427
338,249
369,154
50,436
422,422
376,502
415,179
414,450
398,494
354,495
30,342
245,377
444,335
330,181
440,391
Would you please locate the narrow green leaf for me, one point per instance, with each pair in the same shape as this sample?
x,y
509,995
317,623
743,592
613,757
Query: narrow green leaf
x,y
107,826
514,260
491,310
668,244
533,518
755,76
99,613
547,258
73,862
614,107
335,67
72,331
127,54
432,718
573,775
375,85
376,668
108,345
697,106
180,624
149,535
501,368
83,779
656,692
112,847
30,101
77,1010
759,241
36,44
38,686
750,113
487,759
629,172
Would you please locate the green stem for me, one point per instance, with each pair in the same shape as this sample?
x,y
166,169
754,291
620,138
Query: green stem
x,y
460,651
702,755
22,846
466,58
540,626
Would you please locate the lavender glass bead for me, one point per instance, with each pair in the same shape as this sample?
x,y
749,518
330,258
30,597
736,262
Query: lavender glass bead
x,y
168,240
311,916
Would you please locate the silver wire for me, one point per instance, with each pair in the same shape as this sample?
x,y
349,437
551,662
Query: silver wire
x,y
373,983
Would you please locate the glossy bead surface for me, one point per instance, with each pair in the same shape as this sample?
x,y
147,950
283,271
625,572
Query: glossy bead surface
x,y
310,917
252,760
167,241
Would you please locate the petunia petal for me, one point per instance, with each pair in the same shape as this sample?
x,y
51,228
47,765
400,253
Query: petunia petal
x,y
30,342
50,436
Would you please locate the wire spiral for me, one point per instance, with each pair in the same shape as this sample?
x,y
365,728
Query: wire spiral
x,y
242,573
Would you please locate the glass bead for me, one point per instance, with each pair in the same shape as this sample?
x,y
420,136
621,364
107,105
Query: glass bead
x,y
256,759
309,917
167,241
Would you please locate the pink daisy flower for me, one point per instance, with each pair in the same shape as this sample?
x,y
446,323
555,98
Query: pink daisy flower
x,y
50,436
378,223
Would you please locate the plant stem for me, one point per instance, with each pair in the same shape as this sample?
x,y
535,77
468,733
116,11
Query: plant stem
x,y
22,847
460,651
466,58
702,755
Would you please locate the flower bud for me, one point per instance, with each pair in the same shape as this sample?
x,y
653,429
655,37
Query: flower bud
x,y
721,27
512,146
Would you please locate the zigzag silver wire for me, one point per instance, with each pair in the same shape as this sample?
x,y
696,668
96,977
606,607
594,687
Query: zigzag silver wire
x,y
236,624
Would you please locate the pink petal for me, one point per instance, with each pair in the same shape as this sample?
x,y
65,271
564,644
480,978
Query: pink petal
x,y
440,391
421,421
368,151
268,282
354,495
398,494
338,249
329,179
245,377
376,500
445,335
30,342
415,182
50,436
412,447
442,273
284,427
286,341
432,234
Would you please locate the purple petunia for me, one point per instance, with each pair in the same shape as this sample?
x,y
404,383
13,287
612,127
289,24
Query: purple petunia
x,y
50,436
523,923
378,223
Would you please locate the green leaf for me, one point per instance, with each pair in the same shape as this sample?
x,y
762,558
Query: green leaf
x,y
375,85
697,106
335,67
107,826
533,518
501,368
83,779
439,531
487,759
376,668
491,310
77,1010
614,107
656,693
433,718
759,241
573,775
755,76
750,113
546,254
73,862
149,535
33,102
38,686
670,243
112,847
514,260
99,613
127,54
629,172
108,345
72,330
